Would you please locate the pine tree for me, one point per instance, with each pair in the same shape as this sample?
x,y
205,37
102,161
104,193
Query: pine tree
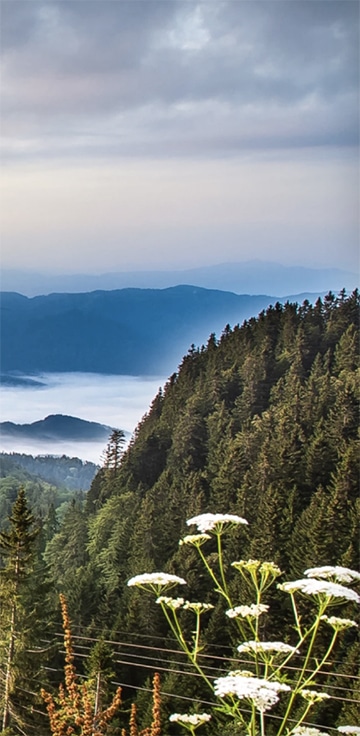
x,y
16,548
113,452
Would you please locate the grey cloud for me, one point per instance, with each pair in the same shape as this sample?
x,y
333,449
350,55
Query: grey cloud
x,y
292,65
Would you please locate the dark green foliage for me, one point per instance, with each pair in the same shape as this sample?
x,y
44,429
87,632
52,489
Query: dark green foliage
x,y
33,473
262,423
22,609
62,472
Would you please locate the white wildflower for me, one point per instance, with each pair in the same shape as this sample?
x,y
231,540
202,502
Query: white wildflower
x,y
349,729
338,623
253,611
336,573
266,646
210,522
172,603
262,693
310,586
308,731
156,580
194,719
197,607
313,696
197,540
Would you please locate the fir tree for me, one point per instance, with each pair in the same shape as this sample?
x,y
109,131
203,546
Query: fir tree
x,y
16,548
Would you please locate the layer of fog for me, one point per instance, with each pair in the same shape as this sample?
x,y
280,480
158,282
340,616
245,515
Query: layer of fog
x,y
117,401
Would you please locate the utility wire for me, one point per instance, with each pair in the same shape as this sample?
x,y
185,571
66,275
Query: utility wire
x,y
180,652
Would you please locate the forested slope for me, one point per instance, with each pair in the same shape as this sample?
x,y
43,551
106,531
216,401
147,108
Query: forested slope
x,y
262,423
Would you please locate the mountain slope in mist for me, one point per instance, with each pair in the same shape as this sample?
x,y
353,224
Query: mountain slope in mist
x,y
128,331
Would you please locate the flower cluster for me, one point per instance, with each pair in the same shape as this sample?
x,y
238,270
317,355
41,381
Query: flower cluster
x,y
262,693
214,522
197,607
156,580
329,585
313,696
253,611
252,566
335,573
175,603
197,540
172,603
310,586
267,646
308,731
194,719
338,623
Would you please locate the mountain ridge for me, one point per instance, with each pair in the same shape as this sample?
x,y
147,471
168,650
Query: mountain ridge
x,y
248,276
58,426
125,331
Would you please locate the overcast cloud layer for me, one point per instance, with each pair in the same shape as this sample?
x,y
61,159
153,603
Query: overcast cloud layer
x,y
178,132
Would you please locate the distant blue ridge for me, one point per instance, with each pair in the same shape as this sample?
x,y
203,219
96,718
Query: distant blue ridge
x,y
58,427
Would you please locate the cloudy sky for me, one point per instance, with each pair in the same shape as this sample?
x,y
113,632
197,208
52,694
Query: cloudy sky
x,y
141,134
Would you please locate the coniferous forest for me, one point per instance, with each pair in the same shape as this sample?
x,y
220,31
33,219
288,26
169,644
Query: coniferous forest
x,y
260,423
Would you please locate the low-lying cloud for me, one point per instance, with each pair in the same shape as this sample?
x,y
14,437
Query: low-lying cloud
x,y
117,401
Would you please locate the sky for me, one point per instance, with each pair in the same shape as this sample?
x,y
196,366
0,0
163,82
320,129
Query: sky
x,y
147,134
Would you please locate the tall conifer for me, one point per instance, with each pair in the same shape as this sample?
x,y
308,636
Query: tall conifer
x,y
16,548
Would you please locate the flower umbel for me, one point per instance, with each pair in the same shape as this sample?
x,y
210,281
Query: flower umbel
x,y
194,719
197,540
156,581
262,693
269,568
310,586
313,696
338,623
308,731
335,573
251,565
197,607
349,729
215,522
172,603
278,647
253,611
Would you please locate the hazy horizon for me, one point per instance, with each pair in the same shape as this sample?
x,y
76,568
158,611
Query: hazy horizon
x,y
248,277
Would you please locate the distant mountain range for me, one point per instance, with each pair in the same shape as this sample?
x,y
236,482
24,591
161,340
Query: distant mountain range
x,y
58,427
127,331
250,277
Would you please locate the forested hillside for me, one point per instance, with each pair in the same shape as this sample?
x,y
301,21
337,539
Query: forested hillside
x,y
62,471
262,423
50,482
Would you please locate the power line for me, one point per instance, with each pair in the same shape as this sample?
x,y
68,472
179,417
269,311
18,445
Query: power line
x,y
225,660
186,673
